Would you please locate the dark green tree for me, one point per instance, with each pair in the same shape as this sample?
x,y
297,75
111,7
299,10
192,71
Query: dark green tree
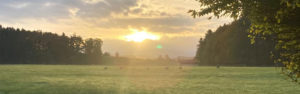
x,y
93,50
230,45
19,46
277,18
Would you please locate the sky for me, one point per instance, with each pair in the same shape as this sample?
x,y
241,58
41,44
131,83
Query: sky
x,y
175,32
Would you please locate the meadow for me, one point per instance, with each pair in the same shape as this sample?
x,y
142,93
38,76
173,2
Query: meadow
x,y
83,79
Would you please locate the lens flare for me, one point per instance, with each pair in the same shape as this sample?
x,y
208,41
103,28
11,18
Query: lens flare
x,y
159,46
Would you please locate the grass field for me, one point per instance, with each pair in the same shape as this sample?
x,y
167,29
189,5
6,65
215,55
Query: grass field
x,y
64,79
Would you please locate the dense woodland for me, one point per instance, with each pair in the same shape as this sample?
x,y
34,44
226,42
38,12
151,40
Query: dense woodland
x,y
230,45
277,18
19,46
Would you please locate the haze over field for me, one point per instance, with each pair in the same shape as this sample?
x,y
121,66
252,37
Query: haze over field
x,y
149,46
40,79
166,24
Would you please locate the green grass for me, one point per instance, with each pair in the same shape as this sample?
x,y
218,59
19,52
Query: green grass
x,y
63,79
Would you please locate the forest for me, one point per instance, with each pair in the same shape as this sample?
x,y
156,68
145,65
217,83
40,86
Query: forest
x,y
276,20
20,46
230,45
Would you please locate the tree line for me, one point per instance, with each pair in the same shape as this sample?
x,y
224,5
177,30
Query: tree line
x,y
19,46
276,18
230,45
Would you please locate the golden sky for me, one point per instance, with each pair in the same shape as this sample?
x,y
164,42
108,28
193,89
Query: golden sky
x,y
112,20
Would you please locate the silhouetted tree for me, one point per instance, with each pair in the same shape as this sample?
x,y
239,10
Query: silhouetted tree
x,y
277,18
19,46
230,45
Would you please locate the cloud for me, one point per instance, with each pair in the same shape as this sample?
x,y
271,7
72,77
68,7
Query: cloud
x,y
101,13
93,1
19,5
160,24
104,15
110,19
59,9
49,4
169,24
19,9
170,46
137,11
73,11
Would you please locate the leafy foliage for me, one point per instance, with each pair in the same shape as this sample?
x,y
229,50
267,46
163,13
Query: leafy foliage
x,y
277,18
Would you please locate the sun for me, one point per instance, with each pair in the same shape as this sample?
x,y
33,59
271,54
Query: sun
x,y
140,36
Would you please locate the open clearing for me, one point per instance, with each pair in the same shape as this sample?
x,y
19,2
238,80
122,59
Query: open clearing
x,y
70,79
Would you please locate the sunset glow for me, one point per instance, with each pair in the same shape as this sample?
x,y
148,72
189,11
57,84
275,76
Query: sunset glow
x,y
140,36
131,24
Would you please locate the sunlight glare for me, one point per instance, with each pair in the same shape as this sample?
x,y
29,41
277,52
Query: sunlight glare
x,y
140,36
